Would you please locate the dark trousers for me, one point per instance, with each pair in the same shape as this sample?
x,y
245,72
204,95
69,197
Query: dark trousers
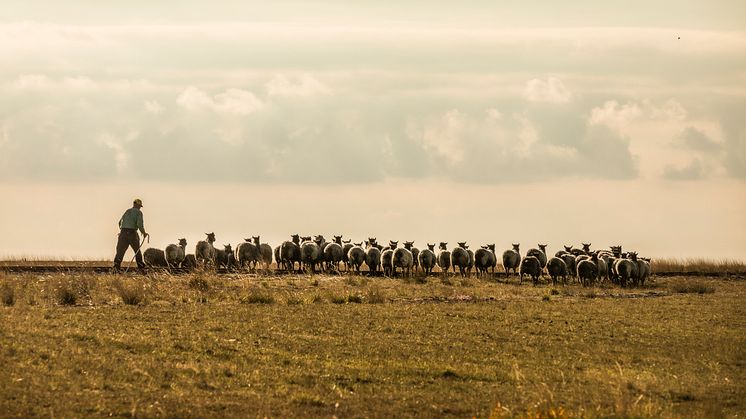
x,y
128,238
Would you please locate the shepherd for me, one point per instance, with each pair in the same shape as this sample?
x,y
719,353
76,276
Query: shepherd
x,y
130,222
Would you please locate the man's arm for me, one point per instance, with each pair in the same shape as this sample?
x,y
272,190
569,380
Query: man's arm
x,y
140,224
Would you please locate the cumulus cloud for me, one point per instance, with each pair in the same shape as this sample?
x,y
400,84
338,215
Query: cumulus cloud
x,y
692,171
232,101
696,139
551,90
153,106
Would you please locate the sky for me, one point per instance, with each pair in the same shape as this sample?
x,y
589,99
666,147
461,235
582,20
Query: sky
x,y
619,122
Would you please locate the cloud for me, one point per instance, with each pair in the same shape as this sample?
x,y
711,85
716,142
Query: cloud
x,y
232,101
551,90
695,139
692,171
306,86
153,106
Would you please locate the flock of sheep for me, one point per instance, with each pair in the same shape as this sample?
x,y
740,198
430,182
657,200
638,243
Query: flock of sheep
x,y
587,265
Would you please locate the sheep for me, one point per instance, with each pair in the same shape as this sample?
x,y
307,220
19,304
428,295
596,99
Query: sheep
x,y
154,258
189,263
569,260
290,253
556,267
174,254
333,253
460,258
310,253
470,264
643,270
356,256
584,251
404,259
511,259
626,269
560,253
387,258
346,246
247,254
372,256
204,251
484,259
444,258
603,265
224,258
277,255
588,270
427,259
540,253
415,254
265,252
530,265
322,243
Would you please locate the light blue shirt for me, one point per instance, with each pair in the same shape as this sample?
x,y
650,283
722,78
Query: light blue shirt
x,y
132,219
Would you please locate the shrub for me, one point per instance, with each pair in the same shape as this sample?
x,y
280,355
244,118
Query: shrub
x,y
199,283
354,298
259,297
7,295
338,299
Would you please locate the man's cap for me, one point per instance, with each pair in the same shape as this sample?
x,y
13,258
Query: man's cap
x,y
137,201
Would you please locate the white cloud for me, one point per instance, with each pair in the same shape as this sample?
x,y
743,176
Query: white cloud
x,y
232,101
153,106
551,90
31,81
121,155
444,136
304,87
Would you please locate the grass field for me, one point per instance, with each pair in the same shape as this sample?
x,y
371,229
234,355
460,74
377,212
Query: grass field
x,y
202,345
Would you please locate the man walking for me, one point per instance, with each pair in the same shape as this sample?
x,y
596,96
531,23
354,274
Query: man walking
x,y
130,222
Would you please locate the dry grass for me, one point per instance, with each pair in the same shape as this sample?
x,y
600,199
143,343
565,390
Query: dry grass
x,y
704,266
377,347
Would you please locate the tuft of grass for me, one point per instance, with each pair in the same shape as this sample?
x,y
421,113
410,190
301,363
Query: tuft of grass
x,y
66,294
199,283
376,295
554,291
259,297
317,299
338,299
131,294
354,299
546,297
691,287
7,295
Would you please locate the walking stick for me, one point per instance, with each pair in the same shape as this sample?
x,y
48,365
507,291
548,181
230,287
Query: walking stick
x,y
138,250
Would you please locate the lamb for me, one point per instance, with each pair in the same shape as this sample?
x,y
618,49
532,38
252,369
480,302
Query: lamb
x,y
356,256
310,253
530,265
204,251
415,254
333,253
175,253
154,258
588,270
540,253
427,259
403,259
444,257
290,253
224,258
643,270
248,254
372,256
511,259
484,259
346,246
626,269
460,258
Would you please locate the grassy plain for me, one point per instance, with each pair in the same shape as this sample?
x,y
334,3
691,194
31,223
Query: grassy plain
x,y
203,345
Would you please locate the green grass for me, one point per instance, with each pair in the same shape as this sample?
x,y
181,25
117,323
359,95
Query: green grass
x,y
403,349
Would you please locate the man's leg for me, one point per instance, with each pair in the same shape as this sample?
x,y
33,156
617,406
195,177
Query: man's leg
x,y
135,244
122,245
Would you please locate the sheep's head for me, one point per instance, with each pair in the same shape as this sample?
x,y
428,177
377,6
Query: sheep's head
x,y
568,248
295,238
462,245
319,238
210,237
256,240
633,256
306,238
393,244
372,240
516,247
338,239
358,244
408,245
182,242
227,248
586,247
348,241
443,246
431,246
